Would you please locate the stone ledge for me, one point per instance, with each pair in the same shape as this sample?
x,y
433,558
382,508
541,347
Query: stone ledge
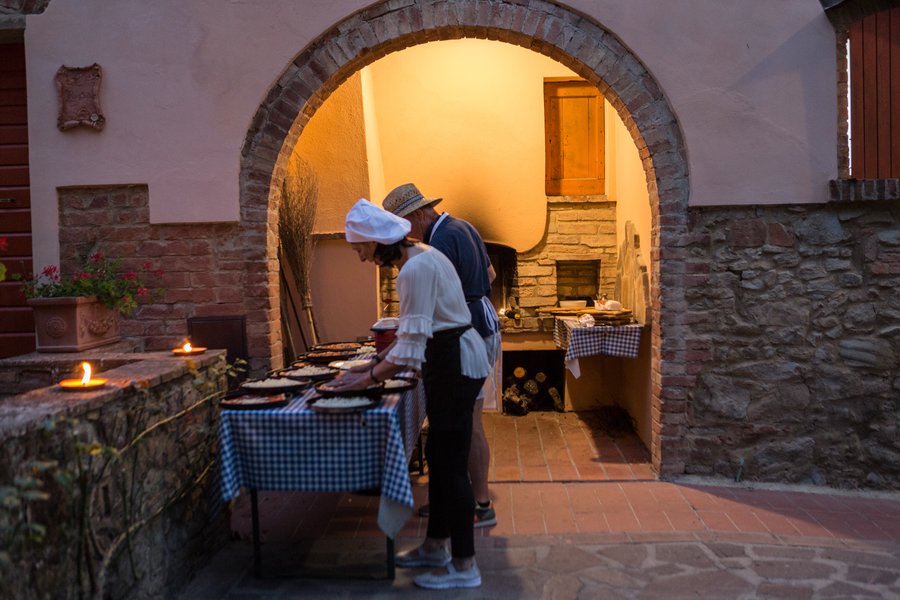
x,y
863,190
21,410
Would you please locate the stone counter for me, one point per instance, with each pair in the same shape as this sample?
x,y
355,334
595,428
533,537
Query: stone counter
x,y
137,454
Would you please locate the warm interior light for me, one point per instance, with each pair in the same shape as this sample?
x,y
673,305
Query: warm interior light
x,y
87,373
187,347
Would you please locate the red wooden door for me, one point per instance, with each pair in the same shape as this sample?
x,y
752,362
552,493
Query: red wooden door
x,y
875,96
16,321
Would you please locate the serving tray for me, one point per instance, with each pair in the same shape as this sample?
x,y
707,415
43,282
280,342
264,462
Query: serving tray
x,y
396,385
255,401
333,405
324,392
278,385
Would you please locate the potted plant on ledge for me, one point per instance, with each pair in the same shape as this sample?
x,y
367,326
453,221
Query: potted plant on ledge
x,y
82,311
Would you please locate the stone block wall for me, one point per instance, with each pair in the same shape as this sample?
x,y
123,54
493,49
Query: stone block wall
x,y
134,505
793,343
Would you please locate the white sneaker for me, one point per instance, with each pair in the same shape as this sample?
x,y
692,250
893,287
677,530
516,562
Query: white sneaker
x,y
417,557
470,578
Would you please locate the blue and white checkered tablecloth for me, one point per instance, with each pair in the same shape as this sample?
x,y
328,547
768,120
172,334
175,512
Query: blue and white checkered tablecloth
x,y
296,448
579,342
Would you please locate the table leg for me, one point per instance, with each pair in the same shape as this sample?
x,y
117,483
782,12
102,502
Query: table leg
x,y
391,571
254,516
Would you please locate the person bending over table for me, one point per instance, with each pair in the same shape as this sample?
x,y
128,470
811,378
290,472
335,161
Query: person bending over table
x,y
435,336
459,241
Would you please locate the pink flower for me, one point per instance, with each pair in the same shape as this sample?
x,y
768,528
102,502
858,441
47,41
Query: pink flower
x,y
3,244
96,257
129,275
142,292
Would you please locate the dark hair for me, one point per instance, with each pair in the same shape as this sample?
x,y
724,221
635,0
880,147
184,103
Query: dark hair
x,y
386,254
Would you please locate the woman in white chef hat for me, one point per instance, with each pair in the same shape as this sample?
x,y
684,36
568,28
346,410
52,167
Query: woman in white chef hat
x,y
435,336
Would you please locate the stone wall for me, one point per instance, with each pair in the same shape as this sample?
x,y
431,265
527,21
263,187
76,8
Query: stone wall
x,y
793,340
134,506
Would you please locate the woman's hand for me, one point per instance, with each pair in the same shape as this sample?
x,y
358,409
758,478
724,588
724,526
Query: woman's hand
x,y
351,380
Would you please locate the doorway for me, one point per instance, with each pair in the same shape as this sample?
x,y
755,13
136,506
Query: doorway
x,y
583,45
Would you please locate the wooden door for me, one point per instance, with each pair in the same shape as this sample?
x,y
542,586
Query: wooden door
x,y
573,118
16,321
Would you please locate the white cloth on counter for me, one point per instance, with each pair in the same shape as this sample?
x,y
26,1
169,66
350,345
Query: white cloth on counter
x,y
431,299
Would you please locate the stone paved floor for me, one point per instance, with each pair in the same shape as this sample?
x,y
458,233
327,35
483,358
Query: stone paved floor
x,y
795,544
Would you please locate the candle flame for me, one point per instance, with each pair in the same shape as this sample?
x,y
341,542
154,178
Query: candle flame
x,y
87,373
187,347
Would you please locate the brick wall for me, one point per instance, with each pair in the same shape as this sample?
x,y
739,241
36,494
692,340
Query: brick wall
x,y
203,264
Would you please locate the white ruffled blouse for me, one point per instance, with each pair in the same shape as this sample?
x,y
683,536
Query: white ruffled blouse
x,y
431,299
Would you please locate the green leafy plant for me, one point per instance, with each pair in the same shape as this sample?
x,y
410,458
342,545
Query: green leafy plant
x,y
3,247
100,276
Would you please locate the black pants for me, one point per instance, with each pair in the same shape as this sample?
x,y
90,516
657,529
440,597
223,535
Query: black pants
x,y
449,400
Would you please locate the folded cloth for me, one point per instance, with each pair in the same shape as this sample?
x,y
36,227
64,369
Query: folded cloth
x,y
417,557
470,578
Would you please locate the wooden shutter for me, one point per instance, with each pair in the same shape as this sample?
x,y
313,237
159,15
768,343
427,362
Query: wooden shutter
x,y
875,96
16,319
573,125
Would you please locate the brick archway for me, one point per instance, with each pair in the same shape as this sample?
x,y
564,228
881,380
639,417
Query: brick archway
x,y
573,39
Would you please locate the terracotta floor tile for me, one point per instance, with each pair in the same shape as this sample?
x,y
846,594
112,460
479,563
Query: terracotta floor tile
x,y
684,520
746,520
717,520
776,523
621,520
613,498
583,499
591,523
652,519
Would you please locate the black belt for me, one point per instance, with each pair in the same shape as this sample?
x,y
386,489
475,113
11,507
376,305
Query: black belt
x,y
446,333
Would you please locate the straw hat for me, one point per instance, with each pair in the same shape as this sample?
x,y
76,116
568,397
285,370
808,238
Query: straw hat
x,y
406,198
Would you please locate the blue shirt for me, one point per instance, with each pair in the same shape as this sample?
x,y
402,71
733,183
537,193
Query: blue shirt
x,y
459,241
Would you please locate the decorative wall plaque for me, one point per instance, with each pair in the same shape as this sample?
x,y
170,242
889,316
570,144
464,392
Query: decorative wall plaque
x,y
79,97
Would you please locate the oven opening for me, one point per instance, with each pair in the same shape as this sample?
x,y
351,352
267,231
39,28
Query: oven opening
x,y
503,259
578,280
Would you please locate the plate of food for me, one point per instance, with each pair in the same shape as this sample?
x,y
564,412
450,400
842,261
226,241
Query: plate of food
x,y
274,385
255,401
346,365
343,404
326,356
337,346
309,372
398,384
326,391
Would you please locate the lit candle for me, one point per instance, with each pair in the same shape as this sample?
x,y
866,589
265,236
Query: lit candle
x,y
85,383
187,349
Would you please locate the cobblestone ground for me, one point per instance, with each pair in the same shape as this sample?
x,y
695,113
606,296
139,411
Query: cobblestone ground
x,y
579,566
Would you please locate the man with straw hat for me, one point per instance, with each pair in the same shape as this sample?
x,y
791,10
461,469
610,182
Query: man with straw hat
x,y
435,336
462,244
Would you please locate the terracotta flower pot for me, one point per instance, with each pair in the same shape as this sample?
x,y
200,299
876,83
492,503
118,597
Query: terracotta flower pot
x,y
73,324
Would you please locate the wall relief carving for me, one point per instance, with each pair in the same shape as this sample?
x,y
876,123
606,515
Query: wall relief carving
x,y
79,97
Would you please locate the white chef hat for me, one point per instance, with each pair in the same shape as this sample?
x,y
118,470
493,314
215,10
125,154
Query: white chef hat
x,y
367,222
